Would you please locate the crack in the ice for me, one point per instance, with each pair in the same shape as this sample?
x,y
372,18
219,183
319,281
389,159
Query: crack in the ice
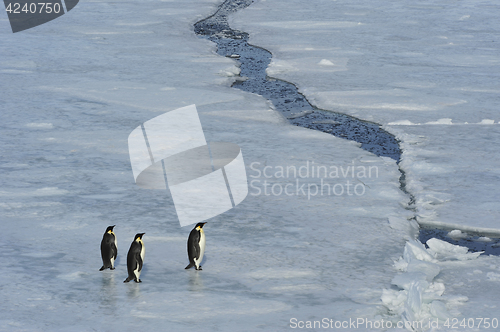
x,y
298,110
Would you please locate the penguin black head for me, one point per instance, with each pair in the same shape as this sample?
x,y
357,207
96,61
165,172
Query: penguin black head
x,y
200,224
110,228
138,236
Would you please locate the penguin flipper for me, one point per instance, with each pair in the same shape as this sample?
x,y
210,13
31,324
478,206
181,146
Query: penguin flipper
x,y
193,245
139,260
114,250
196,244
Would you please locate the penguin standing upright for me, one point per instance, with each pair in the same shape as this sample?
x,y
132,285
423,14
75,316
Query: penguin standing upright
x,y
196,246
109,249
135,258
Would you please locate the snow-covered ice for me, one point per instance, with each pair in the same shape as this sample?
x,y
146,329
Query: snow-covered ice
x,y
101,71
72,90
402,64
429,73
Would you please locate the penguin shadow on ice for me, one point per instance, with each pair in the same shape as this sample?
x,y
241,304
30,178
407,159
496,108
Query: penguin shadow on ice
x,y
133,290
108,291
195,282
108,281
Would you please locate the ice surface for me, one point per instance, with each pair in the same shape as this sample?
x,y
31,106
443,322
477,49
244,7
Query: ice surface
x,y
423,57
422,296
453,173
447,250
403,65
429,73
457,234
98,73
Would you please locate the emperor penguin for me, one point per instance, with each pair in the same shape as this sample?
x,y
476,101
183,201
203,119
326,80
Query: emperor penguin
x,y
196,246
109,249
135,258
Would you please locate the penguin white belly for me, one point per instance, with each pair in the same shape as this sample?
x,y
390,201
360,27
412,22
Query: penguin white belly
x,y
137,273
202,248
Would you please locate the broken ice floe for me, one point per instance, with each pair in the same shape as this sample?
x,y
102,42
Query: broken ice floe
x,y
420,296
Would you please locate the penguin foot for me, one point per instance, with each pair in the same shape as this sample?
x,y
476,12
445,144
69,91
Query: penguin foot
x,y
111,268
138,280
199,268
